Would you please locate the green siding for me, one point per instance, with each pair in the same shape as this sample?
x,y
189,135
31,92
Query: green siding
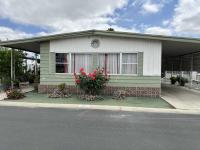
x,y
52,63
140,63
44,57
49,77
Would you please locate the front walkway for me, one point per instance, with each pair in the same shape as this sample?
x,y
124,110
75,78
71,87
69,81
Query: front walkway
x,y
180,97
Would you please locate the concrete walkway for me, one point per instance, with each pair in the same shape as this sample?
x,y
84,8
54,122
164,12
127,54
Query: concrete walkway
x,y
181,98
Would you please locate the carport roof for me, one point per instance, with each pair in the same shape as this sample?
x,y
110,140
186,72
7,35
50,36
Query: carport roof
x,y
171,46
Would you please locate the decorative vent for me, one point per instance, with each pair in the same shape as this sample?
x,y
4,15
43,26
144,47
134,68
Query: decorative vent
x,y
95,43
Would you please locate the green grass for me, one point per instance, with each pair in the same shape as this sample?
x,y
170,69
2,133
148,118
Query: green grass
x,y
34,97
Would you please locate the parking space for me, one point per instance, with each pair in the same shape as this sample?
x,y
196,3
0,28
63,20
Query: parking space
x,y
180,97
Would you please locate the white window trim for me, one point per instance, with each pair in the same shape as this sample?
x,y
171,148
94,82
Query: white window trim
x,y
120,66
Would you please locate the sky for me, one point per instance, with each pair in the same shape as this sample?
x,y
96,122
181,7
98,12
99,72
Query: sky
x,y
30,18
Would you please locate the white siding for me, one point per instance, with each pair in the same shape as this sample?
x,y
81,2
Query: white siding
x,y
151,49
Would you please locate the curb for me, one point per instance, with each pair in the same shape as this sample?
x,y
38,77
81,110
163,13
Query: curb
x,y
97,107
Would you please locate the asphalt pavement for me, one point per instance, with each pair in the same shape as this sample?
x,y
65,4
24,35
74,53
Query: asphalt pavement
x,y
67,129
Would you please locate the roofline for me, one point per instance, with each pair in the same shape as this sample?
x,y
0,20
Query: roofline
x,y
102,33
47,38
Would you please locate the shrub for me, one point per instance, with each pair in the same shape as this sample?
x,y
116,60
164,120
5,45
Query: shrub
x,y
6,83
182,80
173,80
60,92
31,78
120,94
91,83
61,86
36,82
16,83
14,94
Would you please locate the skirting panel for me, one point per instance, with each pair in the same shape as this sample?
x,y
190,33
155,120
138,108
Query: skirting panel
x,y
132,91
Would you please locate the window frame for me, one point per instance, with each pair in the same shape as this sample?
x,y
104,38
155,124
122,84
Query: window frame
x,y
120,63
68,63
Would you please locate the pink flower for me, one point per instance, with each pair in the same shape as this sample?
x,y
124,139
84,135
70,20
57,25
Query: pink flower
x,y
77,81
95,71
90,75
81,69
83,73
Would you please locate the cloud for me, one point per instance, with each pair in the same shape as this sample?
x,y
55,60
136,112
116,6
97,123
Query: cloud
x,y
166,23
150,7
62,15
10,34
187,17
158,30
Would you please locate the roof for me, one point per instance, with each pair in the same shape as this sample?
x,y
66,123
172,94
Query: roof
x,y
170,43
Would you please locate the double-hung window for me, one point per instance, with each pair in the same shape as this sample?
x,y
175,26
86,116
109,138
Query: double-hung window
x,y
62,63
129,63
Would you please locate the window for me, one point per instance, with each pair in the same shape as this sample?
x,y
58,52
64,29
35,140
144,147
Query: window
x,y
129,63
62,63
81,61
113,63
110,62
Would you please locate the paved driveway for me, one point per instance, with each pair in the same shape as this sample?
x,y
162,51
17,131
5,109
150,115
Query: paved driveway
x,y
62,129
180,97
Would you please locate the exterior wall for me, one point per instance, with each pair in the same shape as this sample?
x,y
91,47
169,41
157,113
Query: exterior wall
x,y
145,84
151,49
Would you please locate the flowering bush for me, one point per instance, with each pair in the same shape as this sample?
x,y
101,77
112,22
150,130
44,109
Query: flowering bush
x,y
14,94
93,82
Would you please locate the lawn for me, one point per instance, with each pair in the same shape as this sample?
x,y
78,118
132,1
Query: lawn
x,y
34,97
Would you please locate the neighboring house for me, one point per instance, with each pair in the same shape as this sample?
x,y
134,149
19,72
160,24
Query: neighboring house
x,y
132,60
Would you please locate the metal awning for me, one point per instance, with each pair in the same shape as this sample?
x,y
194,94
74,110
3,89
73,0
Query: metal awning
x,y
171,46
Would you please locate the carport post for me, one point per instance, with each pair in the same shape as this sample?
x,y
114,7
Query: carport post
x,y
35,64
11,71
191,69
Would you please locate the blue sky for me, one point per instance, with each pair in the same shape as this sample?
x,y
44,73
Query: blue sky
x,y
22,19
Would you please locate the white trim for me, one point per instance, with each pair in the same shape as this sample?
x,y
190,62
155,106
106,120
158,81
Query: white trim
x,y
64,73
70,64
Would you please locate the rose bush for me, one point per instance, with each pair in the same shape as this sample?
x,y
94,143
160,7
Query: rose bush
x,y
92,83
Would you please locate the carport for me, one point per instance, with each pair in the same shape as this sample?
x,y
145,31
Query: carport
x,y
181,56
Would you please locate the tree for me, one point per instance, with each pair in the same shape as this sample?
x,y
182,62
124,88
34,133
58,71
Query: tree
x,y
111,29
5,64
